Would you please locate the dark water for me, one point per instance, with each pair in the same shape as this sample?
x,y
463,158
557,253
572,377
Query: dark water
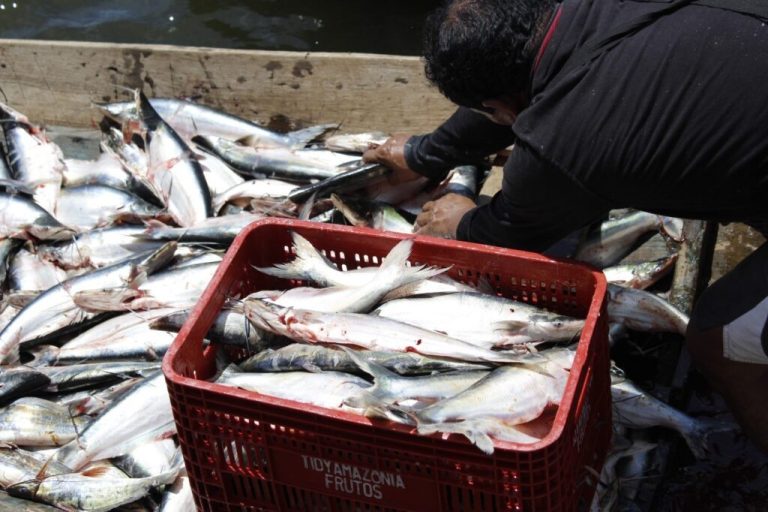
x,y
301,25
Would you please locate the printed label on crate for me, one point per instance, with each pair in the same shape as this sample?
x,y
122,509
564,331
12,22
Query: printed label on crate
x,y
356,482
351,479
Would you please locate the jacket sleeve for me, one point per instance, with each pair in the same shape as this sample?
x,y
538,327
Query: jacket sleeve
x,y
537,206
466,138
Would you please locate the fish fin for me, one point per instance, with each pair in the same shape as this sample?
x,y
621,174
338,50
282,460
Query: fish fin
x,y
389,412
300,138
381,375
510,326
305,212
306,257
96,472
375,370
353,217
106,299
148,114
43,472
480,439
21,298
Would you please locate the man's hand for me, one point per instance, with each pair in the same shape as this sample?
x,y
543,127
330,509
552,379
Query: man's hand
x,y
392,154
441,217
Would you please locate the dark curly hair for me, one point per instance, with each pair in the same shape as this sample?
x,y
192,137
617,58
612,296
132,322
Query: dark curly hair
x,y
476,50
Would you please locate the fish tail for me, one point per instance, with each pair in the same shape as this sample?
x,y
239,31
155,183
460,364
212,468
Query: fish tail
x,y
307,257
698,437
300,138
149,115
396,266
382,377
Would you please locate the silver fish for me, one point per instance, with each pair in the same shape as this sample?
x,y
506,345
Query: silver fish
x,y
113,329
173,288
30,273
89,206
108,170
337,387
372,214
20,217
640,275
643,311
484,320
355,176
393,273
55,309
370,332
389,387
149,459
463,180
253,189
36,422
92,490
178,497
635,408
315,358
93,402
173,170
149,408
215,230
138,342
278,163
34,160
18,465
513,395
310,265
190,119
5,170
615,238
135,160
355,142
229,328
65,378
99,248
8,248
218,175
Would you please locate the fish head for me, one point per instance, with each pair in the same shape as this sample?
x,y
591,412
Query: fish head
x,y
50,231
26,490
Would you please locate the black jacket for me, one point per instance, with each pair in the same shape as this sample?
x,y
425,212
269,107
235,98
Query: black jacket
x,y
673,120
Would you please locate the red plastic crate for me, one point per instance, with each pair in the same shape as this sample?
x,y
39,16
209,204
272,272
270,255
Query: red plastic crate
x,y
249,452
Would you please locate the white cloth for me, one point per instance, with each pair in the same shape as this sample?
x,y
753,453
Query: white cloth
x,y
741,338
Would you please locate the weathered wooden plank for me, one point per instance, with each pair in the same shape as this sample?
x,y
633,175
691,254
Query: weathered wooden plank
x,y
734,243
54,82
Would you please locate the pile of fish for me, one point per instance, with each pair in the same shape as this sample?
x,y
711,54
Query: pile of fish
x,y
101,261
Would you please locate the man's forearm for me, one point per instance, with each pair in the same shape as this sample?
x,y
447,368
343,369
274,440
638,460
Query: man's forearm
x,y
537,206
465,138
